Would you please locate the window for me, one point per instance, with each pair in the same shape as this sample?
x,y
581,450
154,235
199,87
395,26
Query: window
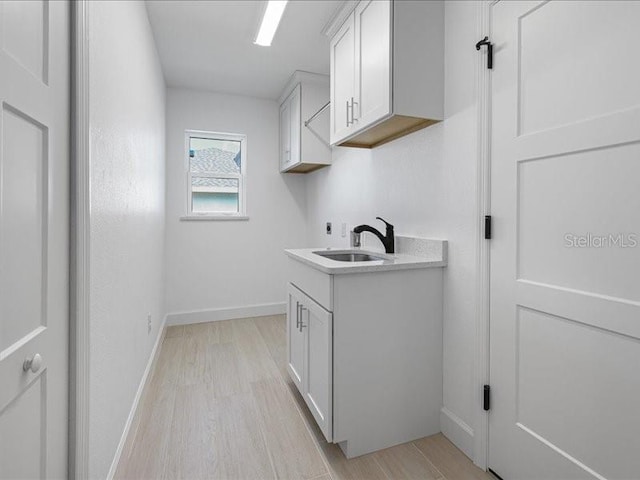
x,y
216,166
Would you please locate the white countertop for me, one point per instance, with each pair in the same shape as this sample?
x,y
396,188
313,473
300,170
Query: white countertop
x,y
397,261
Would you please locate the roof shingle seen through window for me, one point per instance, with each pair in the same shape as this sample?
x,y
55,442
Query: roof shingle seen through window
x,y
214,160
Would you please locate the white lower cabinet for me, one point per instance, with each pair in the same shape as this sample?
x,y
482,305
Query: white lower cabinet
x,y
310,356
365,352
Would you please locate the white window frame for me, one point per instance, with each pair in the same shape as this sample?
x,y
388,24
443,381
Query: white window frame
x,y
241,214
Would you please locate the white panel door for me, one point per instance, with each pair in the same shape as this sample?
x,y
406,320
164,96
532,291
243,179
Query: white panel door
x,y
373,62
295,338
342,88
34,224
565,258
318,381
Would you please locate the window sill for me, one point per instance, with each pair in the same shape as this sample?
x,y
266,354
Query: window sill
x,y
214,218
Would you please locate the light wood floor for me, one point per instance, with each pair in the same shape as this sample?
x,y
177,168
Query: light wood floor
x,y
220,405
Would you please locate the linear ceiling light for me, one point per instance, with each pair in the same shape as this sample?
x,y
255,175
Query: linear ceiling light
x,y
270,21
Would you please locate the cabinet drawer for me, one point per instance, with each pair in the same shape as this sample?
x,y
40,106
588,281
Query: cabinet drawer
x,y
315,284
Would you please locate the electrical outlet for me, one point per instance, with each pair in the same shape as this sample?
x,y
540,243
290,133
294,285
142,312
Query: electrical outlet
x,y
149,322
344,230
328,228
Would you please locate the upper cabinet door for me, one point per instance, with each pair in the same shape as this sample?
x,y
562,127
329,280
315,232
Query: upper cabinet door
x,y
285,135
294,118
343,54
373,62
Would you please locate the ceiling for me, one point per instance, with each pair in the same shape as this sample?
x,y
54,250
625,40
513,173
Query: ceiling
x,y
208,45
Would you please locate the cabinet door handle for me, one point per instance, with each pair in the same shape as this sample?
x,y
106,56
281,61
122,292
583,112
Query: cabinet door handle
x,y
353,110
348,106
298,315
302,309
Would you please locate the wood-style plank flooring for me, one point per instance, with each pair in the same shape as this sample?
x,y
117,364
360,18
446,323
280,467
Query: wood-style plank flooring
x,y
220,405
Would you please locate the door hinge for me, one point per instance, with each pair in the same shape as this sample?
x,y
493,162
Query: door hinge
x,y
486,398
487,227
489,45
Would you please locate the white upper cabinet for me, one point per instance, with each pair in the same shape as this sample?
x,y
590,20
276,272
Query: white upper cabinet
x,y
304,143
387,71
343,79
285,135
373,58
290,130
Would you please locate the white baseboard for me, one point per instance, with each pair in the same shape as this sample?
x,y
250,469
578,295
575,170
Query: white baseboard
x,y
214,315
456,430
134,407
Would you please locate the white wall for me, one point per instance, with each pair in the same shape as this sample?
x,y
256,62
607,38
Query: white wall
x,y
127,109
425,184
214,265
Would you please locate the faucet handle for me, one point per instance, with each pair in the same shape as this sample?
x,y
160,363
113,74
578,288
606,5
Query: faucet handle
x,y
385,222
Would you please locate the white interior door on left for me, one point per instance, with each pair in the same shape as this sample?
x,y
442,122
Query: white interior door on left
x,y
34,239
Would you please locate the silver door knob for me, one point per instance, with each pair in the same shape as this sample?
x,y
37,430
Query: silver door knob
x,y
34,363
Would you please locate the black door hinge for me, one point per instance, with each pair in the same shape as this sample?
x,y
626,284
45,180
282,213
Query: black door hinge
x,y
489,45
486,395
487,227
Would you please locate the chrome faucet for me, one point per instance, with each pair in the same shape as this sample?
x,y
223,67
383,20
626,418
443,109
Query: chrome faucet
x,y
355,239
388,240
